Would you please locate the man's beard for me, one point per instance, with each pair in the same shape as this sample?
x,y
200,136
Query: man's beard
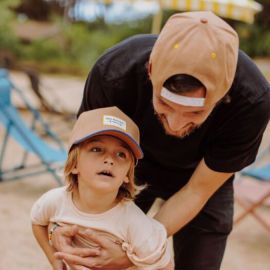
x,y
190,128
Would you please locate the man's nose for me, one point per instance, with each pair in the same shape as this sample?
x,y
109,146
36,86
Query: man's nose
x,y
176,121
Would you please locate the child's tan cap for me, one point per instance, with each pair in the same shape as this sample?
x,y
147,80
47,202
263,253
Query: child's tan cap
x,y
199,44
107,121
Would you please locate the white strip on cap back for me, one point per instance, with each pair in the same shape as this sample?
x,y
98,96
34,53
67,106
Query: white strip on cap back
x,y
182,100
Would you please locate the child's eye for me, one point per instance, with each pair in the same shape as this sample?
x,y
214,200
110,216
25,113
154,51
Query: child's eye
x,y
96,149
121,155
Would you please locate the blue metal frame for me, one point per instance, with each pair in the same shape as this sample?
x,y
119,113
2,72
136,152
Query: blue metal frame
x,y
12,173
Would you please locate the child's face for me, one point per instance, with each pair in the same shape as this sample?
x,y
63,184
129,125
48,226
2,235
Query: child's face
x,y
103,164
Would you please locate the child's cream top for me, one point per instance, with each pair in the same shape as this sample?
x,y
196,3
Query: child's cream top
x,y
142,238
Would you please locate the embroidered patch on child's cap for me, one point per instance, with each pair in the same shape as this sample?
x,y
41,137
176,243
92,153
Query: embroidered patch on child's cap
x,y
109,120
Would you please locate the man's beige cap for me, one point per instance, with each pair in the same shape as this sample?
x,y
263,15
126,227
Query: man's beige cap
x,y
107,121
199,44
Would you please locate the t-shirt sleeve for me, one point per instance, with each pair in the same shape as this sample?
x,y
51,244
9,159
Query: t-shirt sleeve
x,y
148,245
44,208
235,143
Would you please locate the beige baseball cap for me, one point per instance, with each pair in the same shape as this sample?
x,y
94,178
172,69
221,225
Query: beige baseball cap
x,y
107,121
199,44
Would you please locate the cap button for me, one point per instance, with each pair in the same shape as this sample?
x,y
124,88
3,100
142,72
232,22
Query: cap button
x,y
204,20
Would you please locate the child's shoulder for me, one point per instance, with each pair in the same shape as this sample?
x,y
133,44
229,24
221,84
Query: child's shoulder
x,y
55,193
131,208
58,190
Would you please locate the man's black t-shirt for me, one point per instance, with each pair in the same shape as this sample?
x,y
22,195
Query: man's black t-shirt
x,y
228,140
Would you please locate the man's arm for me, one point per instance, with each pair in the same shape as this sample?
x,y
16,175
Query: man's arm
x,y
41,234
184,205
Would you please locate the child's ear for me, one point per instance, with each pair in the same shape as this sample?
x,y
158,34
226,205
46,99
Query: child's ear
x,y
126,180
74,170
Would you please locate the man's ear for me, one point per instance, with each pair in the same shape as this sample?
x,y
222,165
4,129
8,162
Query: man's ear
x,y
149,68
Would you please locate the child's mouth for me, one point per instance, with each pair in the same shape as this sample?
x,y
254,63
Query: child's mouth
x,y
106,173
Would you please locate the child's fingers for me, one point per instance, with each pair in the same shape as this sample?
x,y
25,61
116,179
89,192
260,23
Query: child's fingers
x,y
69,231
62,237
100,240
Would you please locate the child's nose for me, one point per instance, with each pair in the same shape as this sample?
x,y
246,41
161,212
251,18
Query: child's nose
x,y
108,160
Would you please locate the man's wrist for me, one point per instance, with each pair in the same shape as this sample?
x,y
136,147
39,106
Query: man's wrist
x,y
51,231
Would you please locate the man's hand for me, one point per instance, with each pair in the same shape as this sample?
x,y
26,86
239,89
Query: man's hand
x,y
110,257
62,241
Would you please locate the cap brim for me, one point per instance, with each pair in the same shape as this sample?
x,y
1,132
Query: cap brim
x,y
134,146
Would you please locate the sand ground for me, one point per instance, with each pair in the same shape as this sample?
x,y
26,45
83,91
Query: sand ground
x,y
248,245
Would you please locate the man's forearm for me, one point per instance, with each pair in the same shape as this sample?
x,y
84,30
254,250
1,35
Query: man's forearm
x,y
181,208
185,204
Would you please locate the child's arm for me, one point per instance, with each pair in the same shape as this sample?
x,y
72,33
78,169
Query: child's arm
x,y
41,234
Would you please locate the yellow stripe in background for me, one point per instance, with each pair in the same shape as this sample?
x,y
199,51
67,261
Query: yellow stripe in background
x,y
215,7
202,5
188,4
107,2
175,4
230,9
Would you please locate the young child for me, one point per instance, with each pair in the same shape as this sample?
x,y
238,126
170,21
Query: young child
x,y
103,150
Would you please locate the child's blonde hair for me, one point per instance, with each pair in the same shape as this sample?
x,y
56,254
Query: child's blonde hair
x,y
126,191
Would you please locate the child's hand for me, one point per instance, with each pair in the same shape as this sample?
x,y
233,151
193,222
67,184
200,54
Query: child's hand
x,y
62,241
59,265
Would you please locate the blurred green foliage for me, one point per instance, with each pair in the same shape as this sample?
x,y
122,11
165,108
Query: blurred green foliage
x,y
255,38
8,41
85,43
78,44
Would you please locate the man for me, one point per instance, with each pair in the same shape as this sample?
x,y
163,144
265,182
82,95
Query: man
x,y
202,108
